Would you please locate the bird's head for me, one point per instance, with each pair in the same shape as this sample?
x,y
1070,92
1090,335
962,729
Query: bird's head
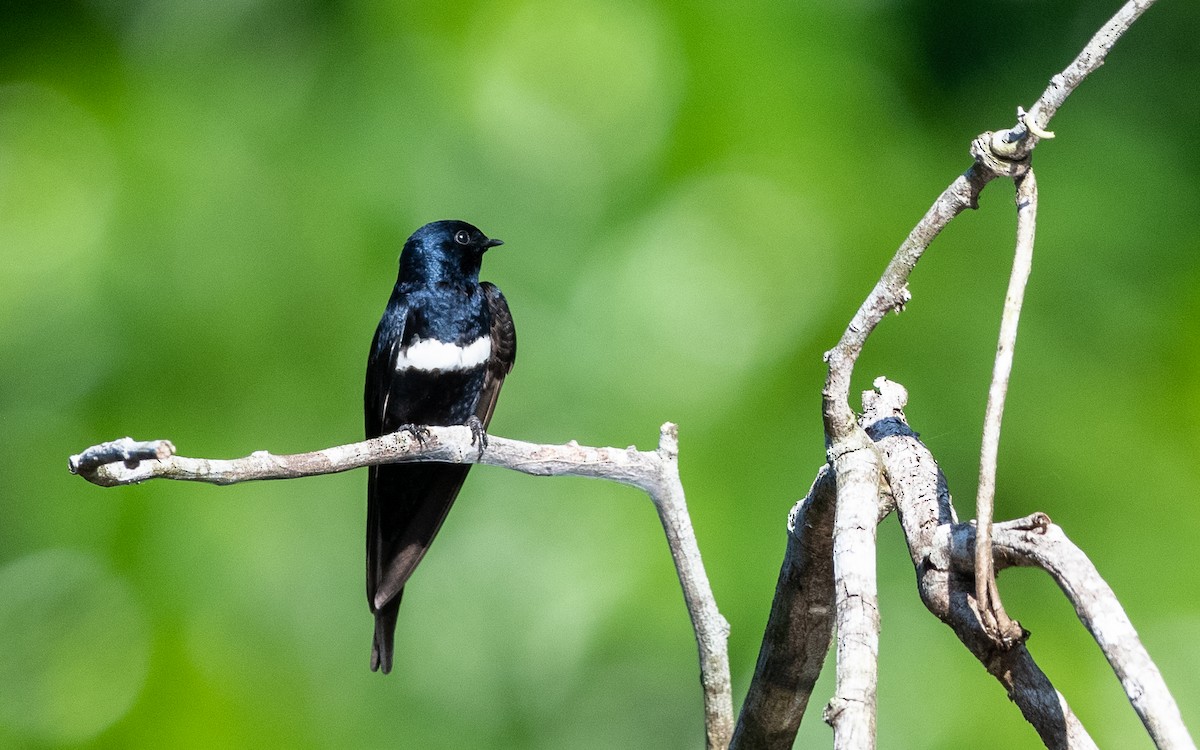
x,y
448,250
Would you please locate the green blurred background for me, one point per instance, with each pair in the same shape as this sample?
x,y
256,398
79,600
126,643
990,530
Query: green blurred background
x,y
201,204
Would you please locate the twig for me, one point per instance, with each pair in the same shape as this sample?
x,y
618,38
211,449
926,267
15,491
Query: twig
x,y
1040,544
987,596
1016,143
1013,146
125,449
654,472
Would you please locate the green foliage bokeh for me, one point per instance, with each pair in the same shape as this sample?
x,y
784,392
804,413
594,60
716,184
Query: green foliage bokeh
x,y
200,209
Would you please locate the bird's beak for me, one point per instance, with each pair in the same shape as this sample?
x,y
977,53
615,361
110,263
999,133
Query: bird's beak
x,y
492,243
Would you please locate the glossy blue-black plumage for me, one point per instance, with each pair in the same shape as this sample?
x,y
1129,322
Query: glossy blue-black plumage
x,y
438,296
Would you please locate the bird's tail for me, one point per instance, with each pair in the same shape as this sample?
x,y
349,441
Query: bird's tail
x,y
385,632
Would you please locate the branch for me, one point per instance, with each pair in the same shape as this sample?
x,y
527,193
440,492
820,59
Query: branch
x,y
655,472
450,445
943,552
712,630
927,516
853,455
126,450
999,154
856,465
1015,144
800,624
798,629
852,710
1044,545
997,622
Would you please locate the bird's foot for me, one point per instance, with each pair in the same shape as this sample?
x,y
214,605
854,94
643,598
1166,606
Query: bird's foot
x,y
420,433
478,434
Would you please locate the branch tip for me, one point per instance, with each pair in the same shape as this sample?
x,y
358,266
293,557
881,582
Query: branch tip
x,y
668,440
123,450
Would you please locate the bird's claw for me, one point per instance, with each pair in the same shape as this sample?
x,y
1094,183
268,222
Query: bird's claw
x,y
420,433
478,434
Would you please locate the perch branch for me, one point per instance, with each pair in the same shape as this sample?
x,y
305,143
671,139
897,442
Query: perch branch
x,y
654,472
126,450
995,620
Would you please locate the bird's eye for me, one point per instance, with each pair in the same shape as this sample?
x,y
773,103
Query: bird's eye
x,y
462,237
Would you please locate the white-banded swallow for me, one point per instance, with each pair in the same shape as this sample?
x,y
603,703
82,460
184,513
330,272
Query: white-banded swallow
x,y
440,354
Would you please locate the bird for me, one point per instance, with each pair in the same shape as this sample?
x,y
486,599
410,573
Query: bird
x,y
442,349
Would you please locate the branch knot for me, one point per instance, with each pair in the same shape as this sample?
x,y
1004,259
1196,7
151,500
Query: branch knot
x,y
997,152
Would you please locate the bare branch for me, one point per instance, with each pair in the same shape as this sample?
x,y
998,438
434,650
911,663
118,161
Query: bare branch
x,y
891,293
999,154
124,449
943,551
997,622
712,630
852,710
1016,143
856,467
655,472
853,455
1044,545
927,516
444,445
798,629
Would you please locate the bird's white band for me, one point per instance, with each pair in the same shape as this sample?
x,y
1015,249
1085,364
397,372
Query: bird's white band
x,y
431,354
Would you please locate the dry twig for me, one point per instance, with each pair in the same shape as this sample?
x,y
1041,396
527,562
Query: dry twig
x,y
1000,626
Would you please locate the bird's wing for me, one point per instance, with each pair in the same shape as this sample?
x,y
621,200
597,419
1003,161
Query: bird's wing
x,y
381,369
504,351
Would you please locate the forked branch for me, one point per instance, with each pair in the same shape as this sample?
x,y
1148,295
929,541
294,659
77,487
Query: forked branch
x,y
943,554
655,472
854,457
